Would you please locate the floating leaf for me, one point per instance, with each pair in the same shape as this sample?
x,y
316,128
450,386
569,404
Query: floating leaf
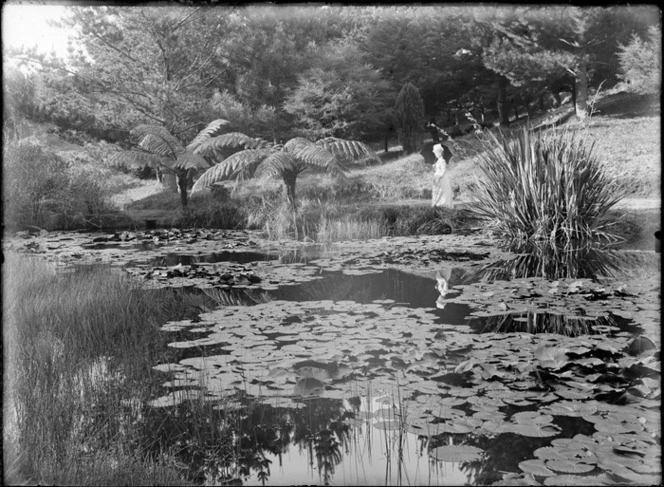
x,y
389,425
456,453
569,466
535,467
575,480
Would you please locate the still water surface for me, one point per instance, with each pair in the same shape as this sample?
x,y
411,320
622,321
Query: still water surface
x,y
373,379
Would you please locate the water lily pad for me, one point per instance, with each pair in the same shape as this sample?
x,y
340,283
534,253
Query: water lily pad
x,y
389,425
569,466
575,480
535,467
456,453
533,430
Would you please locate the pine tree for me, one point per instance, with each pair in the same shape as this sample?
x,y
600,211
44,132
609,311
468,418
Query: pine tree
x,y
641,62
409,114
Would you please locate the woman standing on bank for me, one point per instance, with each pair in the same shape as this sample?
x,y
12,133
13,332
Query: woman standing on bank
x,y
441,194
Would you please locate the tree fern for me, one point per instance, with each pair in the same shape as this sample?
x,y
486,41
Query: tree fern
x,y
241,162
136,159
233,140
347,150
278,163
157,140
207,133
189,160
260,158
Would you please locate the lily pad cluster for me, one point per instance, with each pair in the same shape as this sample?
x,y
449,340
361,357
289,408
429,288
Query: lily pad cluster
x,y
225,275
578,299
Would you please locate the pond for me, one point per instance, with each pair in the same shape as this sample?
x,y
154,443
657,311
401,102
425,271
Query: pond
x,y
416,362
367,379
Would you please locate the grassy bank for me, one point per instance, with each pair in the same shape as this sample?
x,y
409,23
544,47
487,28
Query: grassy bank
x,y
624,129
79,346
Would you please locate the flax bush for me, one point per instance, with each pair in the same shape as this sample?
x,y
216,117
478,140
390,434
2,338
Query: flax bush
x,y
545,187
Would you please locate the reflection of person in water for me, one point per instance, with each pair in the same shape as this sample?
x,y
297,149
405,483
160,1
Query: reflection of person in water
x,y
442,286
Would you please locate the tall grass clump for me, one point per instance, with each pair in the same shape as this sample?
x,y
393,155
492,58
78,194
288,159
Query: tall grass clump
x,y
79,345
348,228
545,186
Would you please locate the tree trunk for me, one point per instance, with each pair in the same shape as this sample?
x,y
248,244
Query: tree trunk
x,y
387,140
182,187
580,88
169,181
503,114
289,189
515,107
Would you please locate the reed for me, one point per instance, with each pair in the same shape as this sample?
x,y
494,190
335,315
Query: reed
x,y
79,346
348,228
545,186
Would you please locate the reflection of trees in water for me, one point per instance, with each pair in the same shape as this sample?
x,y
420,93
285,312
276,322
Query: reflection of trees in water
x,y
552,262
541,322
228,446
502,453
319,429
388,284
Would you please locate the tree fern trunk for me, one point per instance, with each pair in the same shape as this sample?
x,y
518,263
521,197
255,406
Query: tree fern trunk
x,y
580,88
182,186
289,187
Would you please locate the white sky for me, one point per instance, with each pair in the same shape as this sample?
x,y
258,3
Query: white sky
x,y
24,23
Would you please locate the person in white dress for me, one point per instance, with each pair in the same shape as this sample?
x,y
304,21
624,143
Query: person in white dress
x,y
442,193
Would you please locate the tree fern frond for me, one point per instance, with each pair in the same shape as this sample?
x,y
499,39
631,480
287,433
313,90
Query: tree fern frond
x,y
296,142
277,163
207,132
189,160
316,155
231,139
158,140
242,162
136,160
347,150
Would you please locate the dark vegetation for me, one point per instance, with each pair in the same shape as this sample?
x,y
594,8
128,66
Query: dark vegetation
x,y
273,75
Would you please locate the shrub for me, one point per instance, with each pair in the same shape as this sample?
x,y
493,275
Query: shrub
x,y
545,187
641,62
208,211
409,115
45,190
35,185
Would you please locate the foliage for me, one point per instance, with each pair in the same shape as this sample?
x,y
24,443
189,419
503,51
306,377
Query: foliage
x,y
263,120
69,331
546,49
641,62
18,100
286,161
340,96
158,148
48,191
545,187
409,115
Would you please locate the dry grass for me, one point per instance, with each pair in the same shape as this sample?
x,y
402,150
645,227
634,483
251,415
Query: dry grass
x,y
630,150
